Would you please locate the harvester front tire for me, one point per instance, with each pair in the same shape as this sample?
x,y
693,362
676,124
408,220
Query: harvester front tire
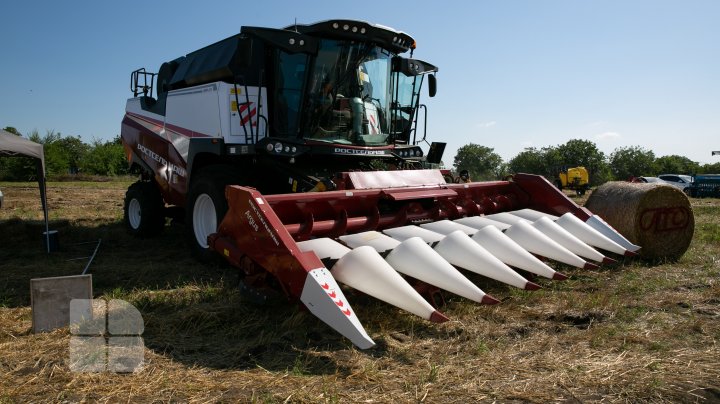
x,y
205,209
143,210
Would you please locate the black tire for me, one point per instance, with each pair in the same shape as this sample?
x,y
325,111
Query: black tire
x,y
206,207
143,210
558,184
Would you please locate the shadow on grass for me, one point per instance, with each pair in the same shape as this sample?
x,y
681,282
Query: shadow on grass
x,y
122,262
193,312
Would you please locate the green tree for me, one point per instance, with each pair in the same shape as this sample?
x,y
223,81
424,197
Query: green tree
x,y
530,161
105,158
56,158
481,162
579,152
73,150
675,164
709,169
543,162
633,161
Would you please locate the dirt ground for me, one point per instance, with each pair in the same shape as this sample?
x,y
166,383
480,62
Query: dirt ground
x,y
633,332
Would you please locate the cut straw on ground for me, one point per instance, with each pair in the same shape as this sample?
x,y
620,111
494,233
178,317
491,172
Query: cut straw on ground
x,y
635,332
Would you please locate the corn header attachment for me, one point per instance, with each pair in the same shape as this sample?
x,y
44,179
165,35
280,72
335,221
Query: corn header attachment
x,y
269,144
390,234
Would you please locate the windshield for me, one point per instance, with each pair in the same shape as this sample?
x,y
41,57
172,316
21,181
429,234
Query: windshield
x,y
348,94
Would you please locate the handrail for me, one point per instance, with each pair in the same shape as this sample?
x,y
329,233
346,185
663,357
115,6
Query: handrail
x,y
135,82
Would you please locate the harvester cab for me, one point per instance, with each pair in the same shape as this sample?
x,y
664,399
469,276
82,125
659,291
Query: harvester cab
x,y
288,97
296,155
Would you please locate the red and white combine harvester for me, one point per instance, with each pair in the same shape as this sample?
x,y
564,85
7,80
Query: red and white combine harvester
x,y
295,154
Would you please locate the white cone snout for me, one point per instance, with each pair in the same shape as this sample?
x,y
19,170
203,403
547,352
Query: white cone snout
x,y
365,270
374,239
406,232
446,227
532,215
324,298
587,234
532,240
460,250
478,222
597,223
324,248
505,217
566,239
415,258
509,252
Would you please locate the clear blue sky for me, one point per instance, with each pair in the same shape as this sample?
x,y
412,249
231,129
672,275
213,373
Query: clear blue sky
x,y
513,73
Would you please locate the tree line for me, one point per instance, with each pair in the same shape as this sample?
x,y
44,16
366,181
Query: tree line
x,y
622,164
69,155
66,155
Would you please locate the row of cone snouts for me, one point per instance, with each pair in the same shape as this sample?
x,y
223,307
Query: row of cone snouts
x,y
372,262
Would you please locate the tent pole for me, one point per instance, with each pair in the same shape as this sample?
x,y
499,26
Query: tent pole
x,y
43,198
45,212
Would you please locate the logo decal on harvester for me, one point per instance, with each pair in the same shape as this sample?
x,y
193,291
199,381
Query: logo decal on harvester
x,y
258,217
162,160
359,151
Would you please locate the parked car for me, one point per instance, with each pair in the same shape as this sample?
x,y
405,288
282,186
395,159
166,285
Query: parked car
x,y
678,180
647,179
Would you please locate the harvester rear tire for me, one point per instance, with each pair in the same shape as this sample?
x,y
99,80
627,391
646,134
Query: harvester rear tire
x,y
205,209
143,210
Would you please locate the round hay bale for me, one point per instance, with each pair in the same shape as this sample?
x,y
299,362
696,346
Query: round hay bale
x,y
657,217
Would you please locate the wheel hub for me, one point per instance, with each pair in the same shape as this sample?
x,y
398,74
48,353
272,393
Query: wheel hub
x,y
204,219
134,213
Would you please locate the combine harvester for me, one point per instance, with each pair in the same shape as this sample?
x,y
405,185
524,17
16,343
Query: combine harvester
x,y
295,154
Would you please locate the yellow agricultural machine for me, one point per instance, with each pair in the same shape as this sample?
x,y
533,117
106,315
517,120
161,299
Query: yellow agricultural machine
x,y
296,155
575,178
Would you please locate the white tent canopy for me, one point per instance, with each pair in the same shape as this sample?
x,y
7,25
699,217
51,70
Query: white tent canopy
x,y
16,146
12,145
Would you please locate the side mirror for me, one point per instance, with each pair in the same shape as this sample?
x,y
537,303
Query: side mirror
x,y
432,85
435,153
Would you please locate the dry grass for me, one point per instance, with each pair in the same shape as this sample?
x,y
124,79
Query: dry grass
x,y
630,333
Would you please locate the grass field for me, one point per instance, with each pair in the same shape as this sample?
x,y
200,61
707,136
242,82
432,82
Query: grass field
x,y
633,333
